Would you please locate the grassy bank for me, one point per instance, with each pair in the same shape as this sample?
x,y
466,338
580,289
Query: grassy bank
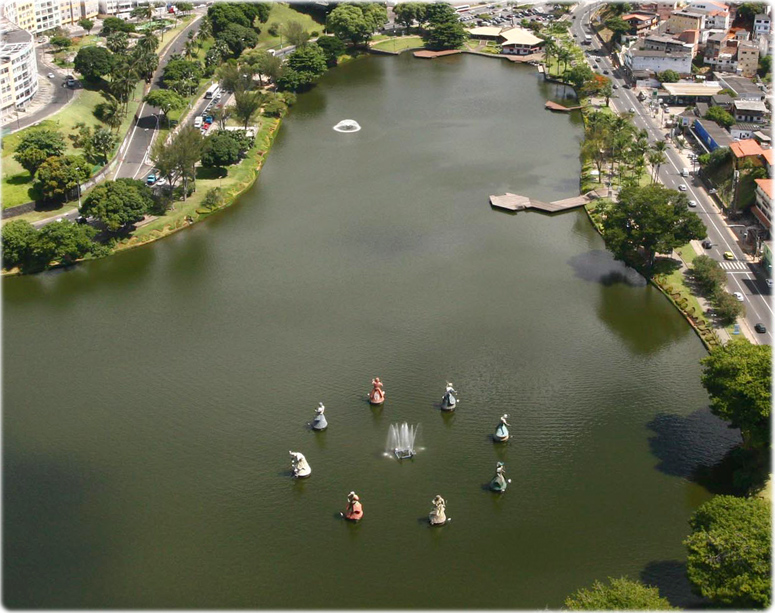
x,y
282,14
399,43
236,180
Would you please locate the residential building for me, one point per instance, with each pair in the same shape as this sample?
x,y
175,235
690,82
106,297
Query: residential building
x,y
70,11
518,41
658,61
761,26
21,13
47,15
663,42
89,9
725,101
748,149
113,7
663,9
753,111
707,7
717,20
18,66
685,93
743,131
763,207
684,20
641,21
743,88
712,135
747,58
41,15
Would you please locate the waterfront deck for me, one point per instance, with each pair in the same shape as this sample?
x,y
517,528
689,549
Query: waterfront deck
x,y
432,54
516,202
553,106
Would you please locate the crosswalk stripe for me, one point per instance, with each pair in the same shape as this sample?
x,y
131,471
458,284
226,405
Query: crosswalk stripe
x,y
734,265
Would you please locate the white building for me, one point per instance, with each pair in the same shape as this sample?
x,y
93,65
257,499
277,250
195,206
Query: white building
x,y
18,66
112,7
658,61
761,26
518,41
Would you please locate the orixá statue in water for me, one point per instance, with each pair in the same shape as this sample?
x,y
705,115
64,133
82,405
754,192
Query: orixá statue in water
x,y
502,431
499,482
437,516
319,423
448,400
376,395
299,465
354,510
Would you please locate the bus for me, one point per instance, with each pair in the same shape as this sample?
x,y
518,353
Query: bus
x,y
462,8
212,91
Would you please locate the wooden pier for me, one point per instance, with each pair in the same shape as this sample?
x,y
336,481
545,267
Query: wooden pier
x,y
433,54
515,202
553,106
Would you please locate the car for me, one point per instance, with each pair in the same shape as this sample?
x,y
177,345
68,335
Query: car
x,y
205,127
760,328
150,179
51,75
81,220
728,255
692,203
707,244
198,121
626,86
162,181
738,296
681,188
768,282
632,109
209,119
616,86
606,72
713,190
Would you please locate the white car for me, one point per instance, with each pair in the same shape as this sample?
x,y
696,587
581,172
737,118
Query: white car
x,y
51,75
739,296
681,188
769,282
692,203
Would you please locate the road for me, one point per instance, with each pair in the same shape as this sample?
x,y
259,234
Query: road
x,y
134,161
740,273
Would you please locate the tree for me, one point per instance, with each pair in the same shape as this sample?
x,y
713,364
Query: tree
x,y
446,35
144,11
63,241
375,14
118,42
409,12
109,111
118,203
35,146
86,24
221,114
729,551
720,116
93,62
618,26
149,43
748,10
233,78
18,238
59,176
310,59
166,100
246,105
607,91
618,595
182,76
220,150
184,7
238,38
115,24
221,14
669,76
708,274
439,12
728,308
144,63
578,75
295,34
102,142
213,198
177,159
738,377
60,41
348,22
332,47
649,220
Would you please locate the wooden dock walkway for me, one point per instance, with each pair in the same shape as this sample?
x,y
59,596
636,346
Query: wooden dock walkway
x,y
553,106
515,202
432,54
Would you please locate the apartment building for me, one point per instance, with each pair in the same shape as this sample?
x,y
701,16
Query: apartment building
x,y
747,58
18,66
761,26
113,7
684,20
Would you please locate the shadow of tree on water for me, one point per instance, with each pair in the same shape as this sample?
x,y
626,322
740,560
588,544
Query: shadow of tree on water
x,y
669,576
696,447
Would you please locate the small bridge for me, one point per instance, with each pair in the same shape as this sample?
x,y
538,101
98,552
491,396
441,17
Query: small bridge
x,y
515,202
553,106
432,54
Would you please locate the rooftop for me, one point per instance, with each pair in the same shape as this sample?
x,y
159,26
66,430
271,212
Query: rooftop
x,y
749,126
660,53
767,155
708,88
766,186
519,36
688,14
485,31
750,105
741,85
746,148
719,134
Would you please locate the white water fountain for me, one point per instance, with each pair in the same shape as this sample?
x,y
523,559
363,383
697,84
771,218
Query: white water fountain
x,y
401,439
347,125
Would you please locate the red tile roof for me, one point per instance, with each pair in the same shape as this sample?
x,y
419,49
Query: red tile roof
x,y
746,148
766,186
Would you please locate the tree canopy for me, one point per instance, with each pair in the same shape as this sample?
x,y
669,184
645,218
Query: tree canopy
x,y
617,595
118,203
649,220
238,38
720,116
356,22
59,176
708,274
332,48
738,378
115,24
729,552
18,238
446,35
669,76
63,241
220,150
93,62
408,12
166,100
221,14
35,146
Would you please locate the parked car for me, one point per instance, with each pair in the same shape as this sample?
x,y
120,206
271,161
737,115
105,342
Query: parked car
x,y
198,121
728,255
738,296
150,179
768,282
80,220
626,86
713,190
760,328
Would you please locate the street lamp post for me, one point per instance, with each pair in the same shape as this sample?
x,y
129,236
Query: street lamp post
x,y
79,188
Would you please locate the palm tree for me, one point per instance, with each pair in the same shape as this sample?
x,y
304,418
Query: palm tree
x,y
221,114
109,111
247,105
564,55
189,50
656,159
148,43
205,28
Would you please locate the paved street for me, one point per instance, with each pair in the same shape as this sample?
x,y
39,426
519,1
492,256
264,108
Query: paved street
x,y
740,277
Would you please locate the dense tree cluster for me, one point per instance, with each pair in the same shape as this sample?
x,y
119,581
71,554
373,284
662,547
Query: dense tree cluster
x,y
720,116
356,22
618,595
58,177
225,148
35,146
712,279
32,250
118,203
245,14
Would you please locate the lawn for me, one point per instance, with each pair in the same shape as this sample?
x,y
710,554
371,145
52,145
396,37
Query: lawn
x,y
238,178
282,13
17,182
400,43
